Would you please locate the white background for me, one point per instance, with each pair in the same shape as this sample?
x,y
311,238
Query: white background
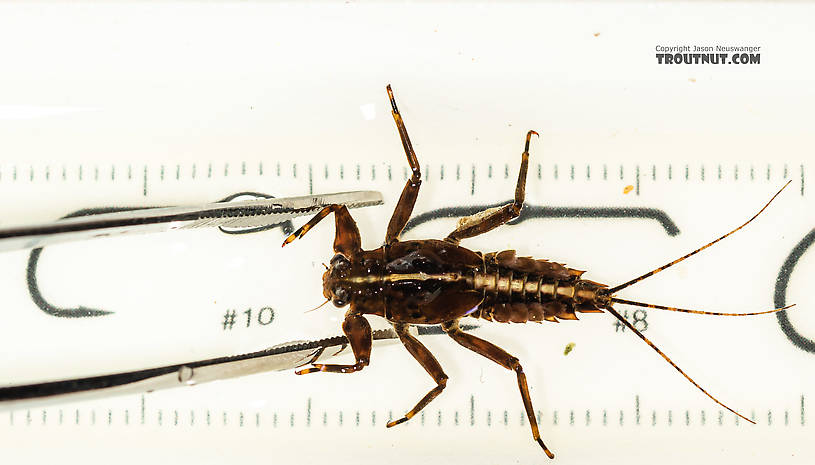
x,y
138,97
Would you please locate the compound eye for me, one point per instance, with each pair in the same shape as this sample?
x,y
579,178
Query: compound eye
x,y
339,261
341,294
338,303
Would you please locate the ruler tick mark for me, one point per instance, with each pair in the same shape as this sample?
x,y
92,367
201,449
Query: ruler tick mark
x,y
802,408
472,410
802,194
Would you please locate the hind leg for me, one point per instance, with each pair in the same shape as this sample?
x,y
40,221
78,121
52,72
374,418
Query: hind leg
x,y
501,357
428,362
494,217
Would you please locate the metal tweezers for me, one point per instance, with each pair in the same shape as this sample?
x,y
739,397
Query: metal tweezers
x,y
234,214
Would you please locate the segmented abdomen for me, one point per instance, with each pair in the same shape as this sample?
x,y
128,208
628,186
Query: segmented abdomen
x,y
521,289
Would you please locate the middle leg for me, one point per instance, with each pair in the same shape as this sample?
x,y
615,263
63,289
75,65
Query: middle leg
x,y
490,219
428,362
404,208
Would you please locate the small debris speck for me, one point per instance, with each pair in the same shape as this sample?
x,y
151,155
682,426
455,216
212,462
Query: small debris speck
x,y
596,34
569,347
628,189
692,79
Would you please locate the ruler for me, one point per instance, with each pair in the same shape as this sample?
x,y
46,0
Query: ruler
x,y
637,165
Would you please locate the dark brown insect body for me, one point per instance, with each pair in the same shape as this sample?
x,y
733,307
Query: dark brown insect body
x,y
431,281
439,282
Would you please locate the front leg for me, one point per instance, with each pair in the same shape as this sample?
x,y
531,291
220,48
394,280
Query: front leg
x,y
358,332
346,239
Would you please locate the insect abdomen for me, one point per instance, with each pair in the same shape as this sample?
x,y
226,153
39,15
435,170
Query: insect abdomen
x,y
521,289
